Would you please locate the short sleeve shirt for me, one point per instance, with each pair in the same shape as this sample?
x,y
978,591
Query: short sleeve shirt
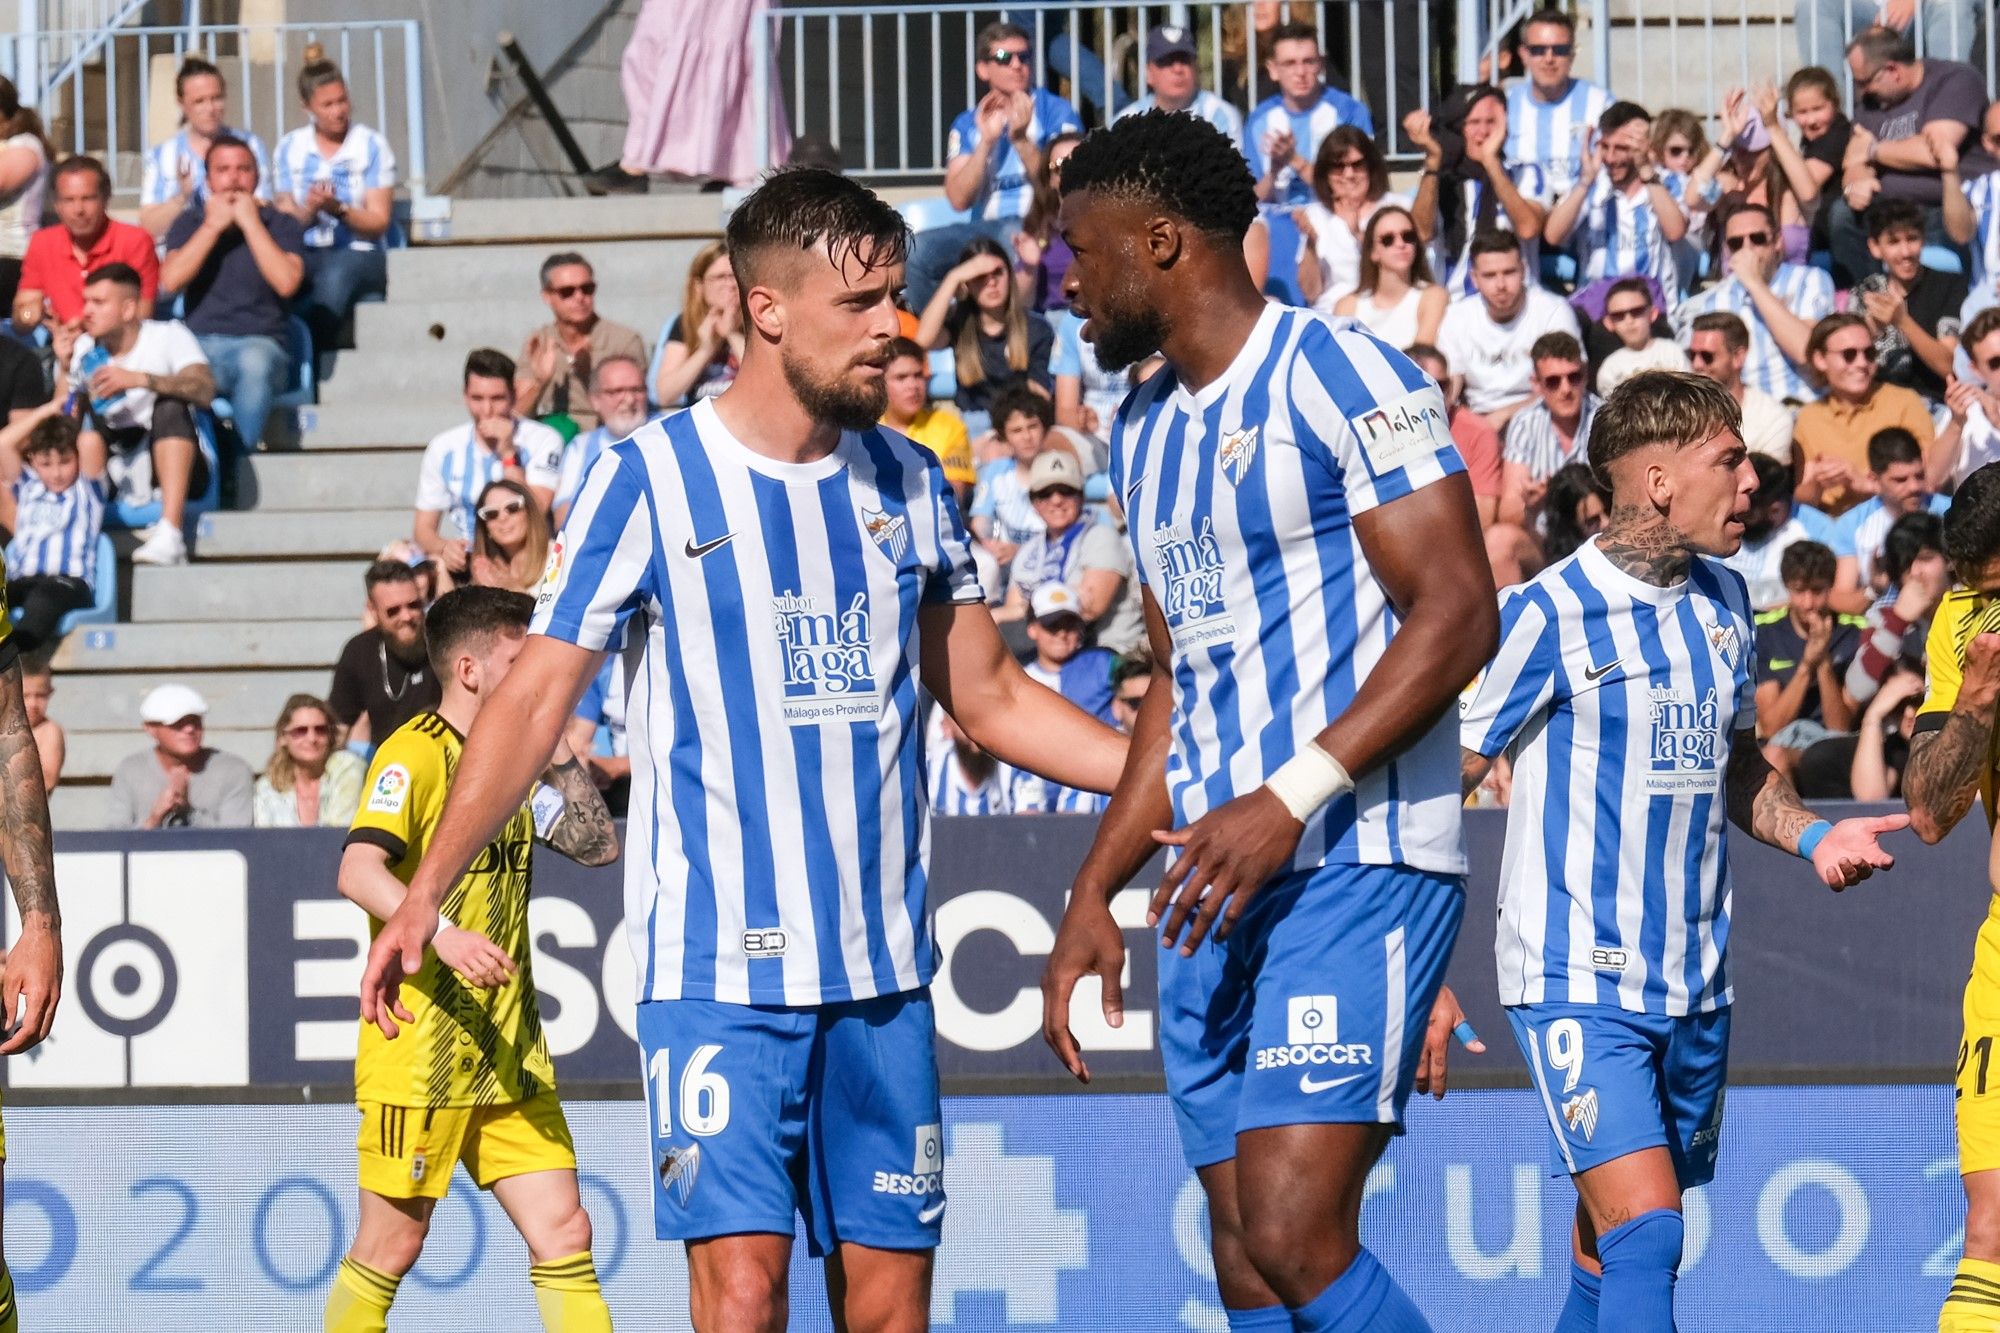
x,y
1951,91
229,295
162,347
457,467
1006,191
1780,648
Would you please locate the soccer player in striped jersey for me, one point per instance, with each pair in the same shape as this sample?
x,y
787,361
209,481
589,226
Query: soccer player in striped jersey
x,y
778,575
1316,595
471,1080
1622,692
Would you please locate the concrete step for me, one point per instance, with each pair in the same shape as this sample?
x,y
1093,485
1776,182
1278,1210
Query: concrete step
x,y
458,273
322,482
574,222
76,808
368,421
274,535
94,754
410,374
161,650
238,700
477,317
205,593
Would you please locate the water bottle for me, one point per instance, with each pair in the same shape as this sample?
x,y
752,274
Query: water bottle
x,y
95,360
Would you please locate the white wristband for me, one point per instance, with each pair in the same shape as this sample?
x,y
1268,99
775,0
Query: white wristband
x,y
1308,780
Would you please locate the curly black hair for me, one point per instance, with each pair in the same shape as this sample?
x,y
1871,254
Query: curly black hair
x,y
1972,524
1169,158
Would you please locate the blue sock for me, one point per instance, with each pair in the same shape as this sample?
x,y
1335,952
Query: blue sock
x,y
1579,1312
1641,1260
1264,1317
1364,1299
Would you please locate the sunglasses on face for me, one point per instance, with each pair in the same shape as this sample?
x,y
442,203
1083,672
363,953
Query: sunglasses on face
x,y
491,512
1677,150
1556,49
1700,358
1057,493
1568,379
1007,56
564,293
1352,164
1760,239
1628,312
1405,237
1849,355
302,731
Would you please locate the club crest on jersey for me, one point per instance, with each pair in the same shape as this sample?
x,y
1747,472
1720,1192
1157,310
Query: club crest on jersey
x,y
829,663
1190,565
678,1169
1239,448
1580,1113
1726,642
891,532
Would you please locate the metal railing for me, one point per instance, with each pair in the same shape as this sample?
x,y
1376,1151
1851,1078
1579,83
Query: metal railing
x,y
102,104
885,82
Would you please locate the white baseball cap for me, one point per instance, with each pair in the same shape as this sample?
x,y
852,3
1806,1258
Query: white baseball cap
x,y
1054,599
168,704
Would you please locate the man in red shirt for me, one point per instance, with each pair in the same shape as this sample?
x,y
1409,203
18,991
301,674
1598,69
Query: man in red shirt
x,y
85,238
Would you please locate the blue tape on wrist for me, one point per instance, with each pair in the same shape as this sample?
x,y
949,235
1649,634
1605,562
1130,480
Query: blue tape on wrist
x,y
1466,1036
1810,840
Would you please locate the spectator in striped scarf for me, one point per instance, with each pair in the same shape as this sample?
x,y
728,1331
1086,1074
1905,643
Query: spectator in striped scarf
x,y
55,514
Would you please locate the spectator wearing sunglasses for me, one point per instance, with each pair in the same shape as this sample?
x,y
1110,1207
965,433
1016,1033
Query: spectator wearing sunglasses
x,y
1397,300
993,157
556,360
1629,313
460,462
1550,433
510,548
1973,402
1550,112
1912,119
307,783
1911,308
1777,302
1718,347
1621,219
180,782
1350,181
1832,435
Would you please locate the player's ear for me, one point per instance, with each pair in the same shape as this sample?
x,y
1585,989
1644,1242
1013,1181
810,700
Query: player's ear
x,y
1164,241
766,310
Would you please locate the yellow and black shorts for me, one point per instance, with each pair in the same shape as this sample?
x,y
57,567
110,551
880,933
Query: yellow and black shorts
x,y
407,1152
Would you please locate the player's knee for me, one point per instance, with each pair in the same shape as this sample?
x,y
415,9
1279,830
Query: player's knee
x,y
1295,1254
741,1297
1982,1229
391,1250
565,1235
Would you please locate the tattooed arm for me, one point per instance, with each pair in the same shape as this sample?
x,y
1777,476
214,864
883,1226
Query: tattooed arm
x,y
584,833
194,384
1763,804
33,978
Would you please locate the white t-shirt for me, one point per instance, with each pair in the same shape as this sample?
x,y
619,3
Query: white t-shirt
x,y
162,347
1492,357
1623,364
21,211
1090,546
457,467
1339,250
1981,445
1767,425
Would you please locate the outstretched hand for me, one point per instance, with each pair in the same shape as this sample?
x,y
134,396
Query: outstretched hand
x,y
1088,943
1852,851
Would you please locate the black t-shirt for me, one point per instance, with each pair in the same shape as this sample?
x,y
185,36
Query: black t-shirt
x,y
1780,647
1830,148
1934,300
370,679
228,295
993,359
22,381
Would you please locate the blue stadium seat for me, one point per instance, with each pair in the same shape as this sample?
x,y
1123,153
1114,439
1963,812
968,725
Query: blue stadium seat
x,y
103,611
1943,258
944,375
121,514
927,214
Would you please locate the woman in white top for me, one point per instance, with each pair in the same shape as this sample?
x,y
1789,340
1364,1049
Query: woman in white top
x,y
307,783
1350,179
1398,301
24,175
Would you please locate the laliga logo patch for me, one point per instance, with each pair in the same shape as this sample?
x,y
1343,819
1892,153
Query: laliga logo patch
x,y
891,532
392,786
545,592
1239,447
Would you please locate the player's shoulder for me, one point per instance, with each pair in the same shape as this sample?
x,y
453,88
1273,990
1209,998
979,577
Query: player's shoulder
x,y
1957,608
1360,371
1709,575
426,738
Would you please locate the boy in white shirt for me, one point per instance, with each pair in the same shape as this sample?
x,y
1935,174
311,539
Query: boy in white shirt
x,y
1629,312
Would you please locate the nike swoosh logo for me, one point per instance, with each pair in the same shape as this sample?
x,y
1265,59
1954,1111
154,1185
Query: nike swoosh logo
x,y
1307,1084
697,552
1599,673
931,1213
1132,490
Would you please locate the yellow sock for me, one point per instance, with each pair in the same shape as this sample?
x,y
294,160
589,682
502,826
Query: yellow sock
x,y
360,1299
1974,1303
10,1313
566,1293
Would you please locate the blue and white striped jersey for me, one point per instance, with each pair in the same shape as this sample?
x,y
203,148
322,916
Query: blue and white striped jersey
x,y
778,839
1032,794
161,180
952,791
1271,116
457,466
1006,191
1619,701
1240,502
579,456
1206,106
1619,236
55,533
1533,184
1550,134
363,162
1984,194
1809,293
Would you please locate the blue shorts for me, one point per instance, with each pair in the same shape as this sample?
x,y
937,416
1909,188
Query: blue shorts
x,y
761,1112
1312,1011
1614,1082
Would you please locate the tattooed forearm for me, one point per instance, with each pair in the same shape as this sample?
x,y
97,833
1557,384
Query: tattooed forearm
x,y
25,846
1945,766
196,385
1472,767
584,833
1761,801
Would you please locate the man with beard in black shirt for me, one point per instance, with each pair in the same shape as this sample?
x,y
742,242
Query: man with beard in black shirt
x,y
384,676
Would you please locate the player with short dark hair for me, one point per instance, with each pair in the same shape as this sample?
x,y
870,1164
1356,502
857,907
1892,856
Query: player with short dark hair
x,y
1622,692
779,574
470,1080
1285,483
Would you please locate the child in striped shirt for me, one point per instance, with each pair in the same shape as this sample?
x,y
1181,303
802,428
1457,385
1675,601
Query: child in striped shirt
x,y
54,514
